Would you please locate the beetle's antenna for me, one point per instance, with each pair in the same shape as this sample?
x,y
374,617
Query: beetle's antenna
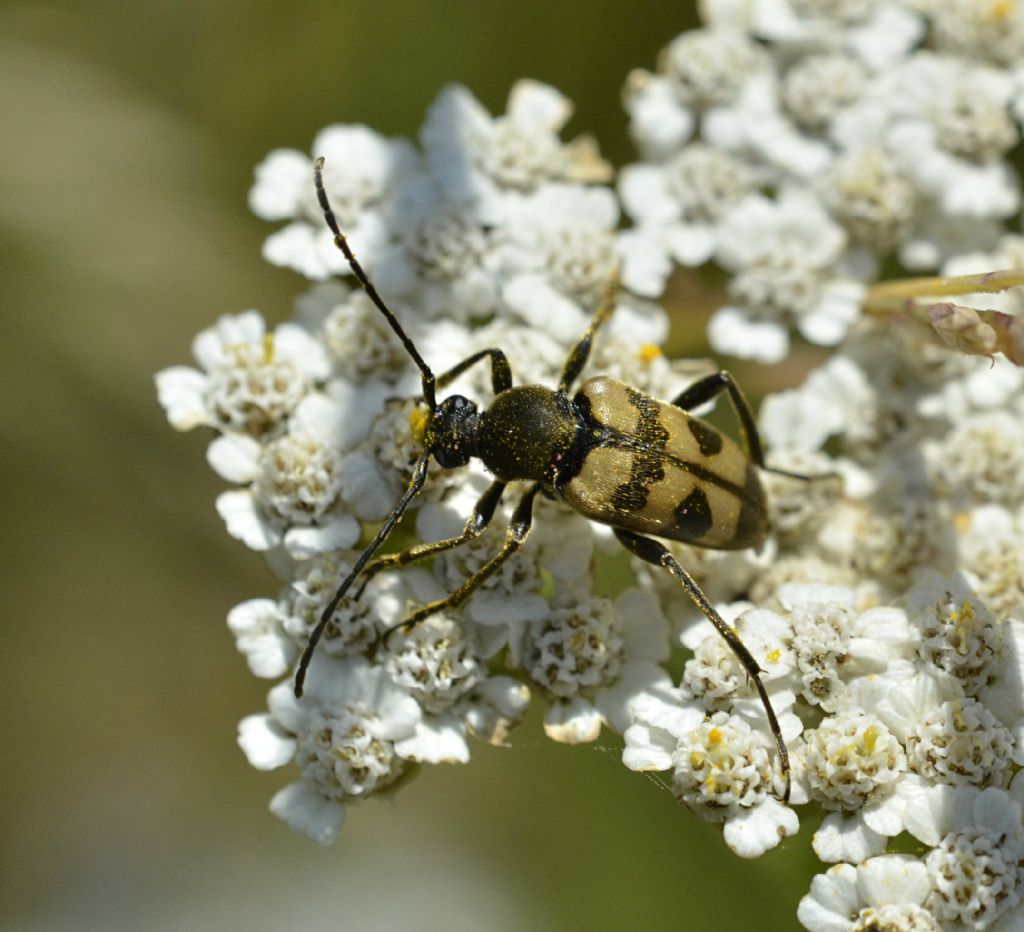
x,y
342,244
419,475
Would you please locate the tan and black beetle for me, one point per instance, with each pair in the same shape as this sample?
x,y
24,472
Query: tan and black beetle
x,y
614,454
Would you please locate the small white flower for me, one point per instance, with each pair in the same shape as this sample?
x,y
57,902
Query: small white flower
x,y
715,676
975,879
298,478
961,742
947,127
677,206
886,892
477,159
453,257
560,256
366,610
848,758
435,663
981,460
784,257
249,381
889,537
817,87
296,481
868,193
259,630
659,122
710,66
357,337
978,29
342,734
833,644
1003,694
440,667
878,32
958,633
721,767
975,867
362,171
991,544
755,128
593,658
834,399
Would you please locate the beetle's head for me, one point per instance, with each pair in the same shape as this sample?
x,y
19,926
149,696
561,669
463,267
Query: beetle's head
x,y
451,437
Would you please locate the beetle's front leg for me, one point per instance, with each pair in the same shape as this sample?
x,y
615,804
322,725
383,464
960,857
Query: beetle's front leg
x,y
501,372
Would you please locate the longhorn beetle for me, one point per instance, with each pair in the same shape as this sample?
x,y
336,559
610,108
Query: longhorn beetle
x,y
614,454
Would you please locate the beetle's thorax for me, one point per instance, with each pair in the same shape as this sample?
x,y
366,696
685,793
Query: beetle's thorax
x,y
525,432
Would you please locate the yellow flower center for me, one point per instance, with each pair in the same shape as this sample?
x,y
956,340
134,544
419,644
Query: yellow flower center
x,y
419,420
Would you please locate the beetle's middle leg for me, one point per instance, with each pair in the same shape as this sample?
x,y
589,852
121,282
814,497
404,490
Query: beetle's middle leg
x,y
518,531
713,385
654,552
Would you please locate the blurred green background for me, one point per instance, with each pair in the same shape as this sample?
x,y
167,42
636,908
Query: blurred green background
x,y
129,136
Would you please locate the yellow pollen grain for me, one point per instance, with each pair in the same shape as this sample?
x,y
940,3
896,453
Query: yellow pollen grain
x,y
268,348
962,522
419,421
963,620
649,352
1002,9
959,721
870,739
773,656
714,737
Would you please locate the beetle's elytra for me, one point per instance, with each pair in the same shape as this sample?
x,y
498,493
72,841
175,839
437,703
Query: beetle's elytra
x,y
652,468
617,456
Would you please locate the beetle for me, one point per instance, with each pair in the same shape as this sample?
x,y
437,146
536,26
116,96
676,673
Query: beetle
x,y
647,468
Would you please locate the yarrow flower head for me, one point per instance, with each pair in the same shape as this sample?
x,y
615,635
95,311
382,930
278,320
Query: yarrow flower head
x,y
850,644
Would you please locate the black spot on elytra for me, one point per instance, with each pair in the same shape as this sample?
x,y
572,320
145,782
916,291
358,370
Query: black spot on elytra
x,y
645,469
708,439
693,514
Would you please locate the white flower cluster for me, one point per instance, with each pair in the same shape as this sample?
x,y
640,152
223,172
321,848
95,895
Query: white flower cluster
x,y
806,147
801,144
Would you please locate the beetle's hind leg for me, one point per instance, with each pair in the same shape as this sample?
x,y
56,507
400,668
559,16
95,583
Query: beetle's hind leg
x,y
518,531
654,552
712,386
581,351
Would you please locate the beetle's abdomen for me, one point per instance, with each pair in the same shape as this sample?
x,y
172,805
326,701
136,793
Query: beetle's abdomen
x,y
654,469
